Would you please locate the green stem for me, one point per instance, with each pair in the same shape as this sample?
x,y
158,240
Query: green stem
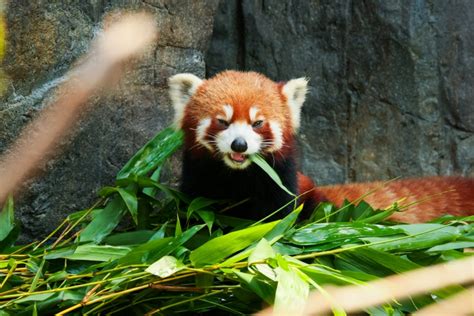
x,y
183,302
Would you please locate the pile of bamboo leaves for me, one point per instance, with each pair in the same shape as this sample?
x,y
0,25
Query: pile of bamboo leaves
x,y
145,248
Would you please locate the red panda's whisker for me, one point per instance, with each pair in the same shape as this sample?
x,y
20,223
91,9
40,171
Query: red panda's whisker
x,y
197,145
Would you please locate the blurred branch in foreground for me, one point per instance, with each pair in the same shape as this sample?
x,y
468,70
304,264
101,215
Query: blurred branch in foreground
x,y
120,41
356,298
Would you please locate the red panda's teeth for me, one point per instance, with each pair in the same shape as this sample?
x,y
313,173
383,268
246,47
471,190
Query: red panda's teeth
x,y
238,157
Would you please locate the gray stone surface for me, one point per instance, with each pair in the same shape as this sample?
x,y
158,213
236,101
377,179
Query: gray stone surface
x,y
391,81
45,38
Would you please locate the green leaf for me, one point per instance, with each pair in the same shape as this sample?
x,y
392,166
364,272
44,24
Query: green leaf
x,y
128,196
422,236
379,216
155,249
7,218
178,230
291,293
38,274
57,276
129,238
394,263
165,267
144,182
93,252
324,275
204,280
337,310
208,217
198,204
285,249
155,177
104,222
153,154
262,251
142,253
315,234
362,210
272,236
322,211
262,163
130,199
221,247
160,233
452,245
262,288
35,298
60,253
283,225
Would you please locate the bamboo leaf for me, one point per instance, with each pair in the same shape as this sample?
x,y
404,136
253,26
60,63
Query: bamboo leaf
x,y
208,217
452,245
153,250
153,154
262,163
265,290
130,199
197,204
272,236
165,267
315,234
422,236
93,252
129,238
7,218
104,222
262,251
291,293
221,247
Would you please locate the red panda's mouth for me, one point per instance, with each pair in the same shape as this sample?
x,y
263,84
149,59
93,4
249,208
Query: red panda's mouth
x,y
238,157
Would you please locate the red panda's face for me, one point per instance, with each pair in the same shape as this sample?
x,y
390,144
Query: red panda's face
x,y
235,114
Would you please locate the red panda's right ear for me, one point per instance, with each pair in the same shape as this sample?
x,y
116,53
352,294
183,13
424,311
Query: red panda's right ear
x,y
295,91
182,87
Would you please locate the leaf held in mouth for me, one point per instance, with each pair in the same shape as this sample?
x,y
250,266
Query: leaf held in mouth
x,y
262,163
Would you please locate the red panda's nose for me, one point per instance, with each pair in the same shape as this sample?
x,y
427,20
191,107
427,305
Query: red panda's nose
x,y
239,145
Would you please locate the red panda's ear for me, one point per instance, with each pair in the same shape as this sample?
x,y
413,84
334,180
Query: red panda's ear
x,y
295,92
182,87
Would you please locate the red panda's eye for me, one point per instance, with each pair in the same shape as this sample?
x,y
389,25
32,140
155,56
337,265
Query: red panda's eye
x,y
257,124
223,123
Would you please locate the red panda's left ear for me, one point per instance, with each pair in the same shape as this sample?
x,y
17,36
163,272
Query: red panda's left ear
x,y
295,92
182,87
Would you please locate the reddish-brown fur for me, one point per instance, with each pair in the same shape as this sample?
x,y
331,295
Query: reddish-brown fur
x,y
242,90
436,196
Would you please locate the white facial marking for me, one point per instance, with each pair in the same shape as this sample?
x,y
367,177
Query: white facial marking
x,y
238,129
201,130
277,136
229,112
253,113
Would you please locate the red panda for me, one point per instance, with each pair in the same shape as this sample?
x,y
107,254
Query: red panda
x,y
235,114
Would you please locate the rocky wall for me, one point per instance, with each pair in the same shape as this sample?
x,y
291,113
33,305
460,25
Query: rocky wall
x,y
391,81
45,38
